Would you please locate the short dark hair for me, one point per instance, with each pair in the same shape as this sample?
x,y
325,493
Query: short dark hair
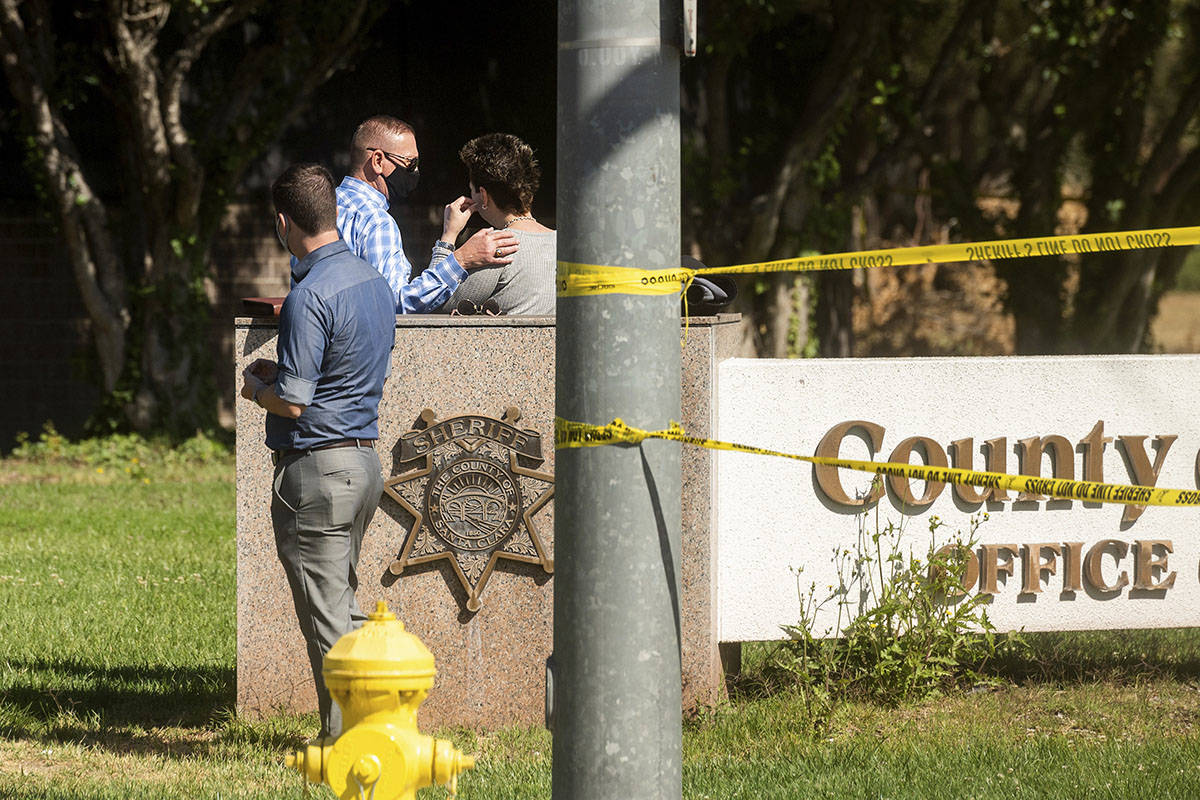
x,y
372,130
304,192
505,166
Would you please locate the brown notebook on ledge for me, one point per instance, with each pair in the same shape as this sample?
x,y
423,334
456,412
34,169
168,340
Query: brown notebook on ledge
x,y
262,306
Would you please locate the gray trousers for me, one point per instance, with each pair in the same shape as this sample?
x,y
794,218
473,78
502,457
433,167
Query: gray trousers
x,y
322,502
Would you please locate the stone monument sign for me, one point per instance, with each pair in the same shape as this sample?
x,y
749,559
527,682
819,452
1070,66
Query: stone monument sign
x,y
462,546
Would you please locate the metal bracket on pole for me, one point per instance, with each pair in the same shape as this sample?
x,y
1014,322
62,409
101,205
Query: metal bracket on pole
x,y
689,27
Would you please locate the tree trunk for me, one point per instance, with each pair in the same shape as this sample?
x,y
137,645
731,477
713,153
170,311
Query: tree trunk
x,y
81,216
141,268
835,325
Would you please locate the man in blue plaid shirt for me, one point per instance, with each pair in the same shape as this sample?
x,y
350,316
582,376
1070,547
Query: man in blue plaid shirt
x,y
384,169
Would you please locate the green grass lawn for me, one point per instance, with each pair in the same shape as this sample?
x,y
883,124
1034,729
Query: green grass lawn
x,y
117,649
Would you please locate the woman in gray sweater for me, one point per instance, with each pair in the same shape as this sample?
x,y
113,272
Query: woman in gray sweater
x,y
503,176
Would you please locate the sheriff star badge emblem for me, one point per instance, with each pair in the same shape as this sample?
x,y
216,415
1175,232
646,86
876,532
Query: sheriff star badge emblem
x,y
473,490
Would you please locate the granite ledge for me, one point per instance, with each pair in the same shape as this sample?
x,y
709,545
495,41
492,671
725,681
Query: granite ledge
x,y
447,321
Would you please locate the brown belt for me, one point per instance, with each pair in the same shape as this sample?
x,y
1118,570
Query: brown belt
x,y
279,455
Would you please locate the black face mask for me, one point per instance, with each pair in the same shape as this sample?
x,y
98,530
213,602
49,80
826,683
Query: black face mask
x,y
401,182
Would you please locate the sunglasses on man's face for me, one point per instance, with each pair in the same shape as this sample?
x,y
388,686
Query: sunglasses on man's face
x,y
408,163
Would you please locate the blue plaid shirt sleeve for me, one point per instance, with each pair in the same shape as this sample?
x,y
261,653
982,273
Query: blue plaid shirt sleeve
x,y
373,236
432,288
381,247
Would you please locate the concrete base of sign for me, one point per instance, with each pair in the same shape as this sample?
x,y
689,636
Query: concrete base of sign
x,y
491,663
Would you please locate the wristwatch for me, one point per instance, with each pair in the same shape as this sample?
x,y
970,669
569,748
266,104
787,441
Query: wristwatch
x,y
258,402
441,243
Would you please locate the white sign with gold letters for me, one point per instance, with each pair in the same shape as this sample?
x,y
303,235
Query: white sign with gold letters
x,y
787,528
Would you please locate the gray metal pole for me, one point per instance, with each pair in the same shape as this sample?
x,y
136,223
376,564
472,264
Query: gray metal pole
x,y
617,701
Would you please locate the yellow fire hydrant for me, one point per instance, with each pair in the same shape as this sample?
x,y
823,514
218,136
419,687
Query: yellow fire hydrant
x,y
379,675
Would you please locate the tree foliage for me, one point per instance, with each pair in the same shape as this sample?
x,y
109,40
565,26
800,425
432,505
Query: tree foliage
x,y
810,126
184,95
821,126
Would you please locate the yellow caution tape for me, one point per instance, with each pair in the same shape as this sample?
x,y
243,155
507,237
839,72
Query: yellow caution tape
x,y
576,280
580,434
580,279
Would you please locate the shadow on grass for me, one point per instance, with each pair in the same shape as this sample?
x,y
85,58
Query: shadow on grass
x,y
760,675
1117,657
117,708
167,711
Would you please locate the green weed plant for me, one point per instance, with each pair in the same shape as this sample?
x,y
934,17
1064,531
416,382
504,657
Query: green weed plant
x,y
118,456
904,628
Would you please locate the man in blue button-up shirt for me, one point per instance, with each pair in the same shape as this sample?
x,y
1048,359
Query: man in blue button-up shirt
x,y
384,168
336,331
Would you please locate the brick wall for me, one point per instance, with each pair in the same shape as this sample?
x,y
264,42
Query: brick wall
x,y
45,349
247,262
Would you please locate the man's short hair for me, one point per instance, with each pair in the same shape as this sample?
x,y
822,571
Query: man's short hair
x,y
304,192
374,130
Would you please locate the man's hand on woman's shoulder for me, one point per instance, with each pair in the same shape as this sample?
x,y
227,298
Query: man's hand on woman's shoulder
x,y
487,248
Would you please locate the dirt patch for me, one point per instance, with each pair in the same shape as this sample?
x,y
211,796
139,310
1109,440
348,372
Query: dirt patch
x,y
67,762
153,755
11,477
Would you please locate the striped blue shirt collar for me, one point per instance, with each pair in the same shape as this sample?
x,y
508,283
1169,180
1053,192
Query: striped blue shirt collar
x,y
364,192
